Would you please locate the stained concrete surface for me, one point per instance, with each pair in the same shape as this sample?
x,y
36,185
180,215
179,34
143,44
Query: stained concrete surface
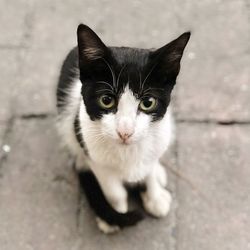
x,y
40,203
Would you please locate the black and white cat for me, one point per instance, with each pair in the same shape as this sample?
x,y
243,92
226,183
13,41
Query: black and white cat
x,y
115,118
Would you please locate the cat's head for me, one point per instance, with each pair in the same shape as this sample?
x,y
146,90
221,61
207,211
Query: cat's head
x,y
126,90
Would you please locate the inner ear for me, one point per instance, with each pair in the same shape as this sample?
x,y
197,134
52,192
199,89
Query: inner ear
x,y
90,46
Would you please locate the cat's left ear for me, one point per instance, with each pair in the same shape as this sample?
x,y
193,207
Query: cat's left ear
x,y
169,56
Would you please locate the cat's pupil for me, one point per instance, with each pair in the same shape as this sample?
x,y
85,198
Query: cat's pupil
x,y
107,100
147,103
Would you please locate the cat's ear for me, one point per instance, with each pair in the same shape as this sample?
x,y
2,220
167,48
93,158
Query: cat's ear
x,y
169,56
90,46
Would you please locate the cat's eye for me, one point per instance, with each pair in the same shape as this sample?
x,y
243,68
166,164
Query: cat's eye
x,y
148,104
106,101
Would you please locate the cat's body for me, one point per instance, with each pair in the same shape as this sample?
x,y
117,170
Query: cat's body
x,y
114,116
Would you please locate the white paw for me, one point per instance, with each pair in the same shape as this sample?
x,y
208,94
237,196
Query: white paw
x,y
120,206
105,227
162,175
157,206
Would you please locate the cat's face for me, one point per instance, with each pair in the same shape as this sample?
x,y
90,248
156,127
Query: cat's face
x,y
126,90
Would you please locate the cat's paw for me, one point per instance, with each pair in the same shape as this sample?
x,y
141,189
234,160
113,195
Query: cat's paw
x,y
162,175
157,206
121,205
105,227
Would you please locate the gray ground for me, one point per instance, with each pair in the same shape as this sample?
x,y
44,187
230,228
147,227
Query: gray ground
x,y
209,170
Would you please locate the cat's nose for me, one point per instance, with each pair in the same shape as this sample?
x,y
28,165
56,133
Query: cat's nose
x,y
125,135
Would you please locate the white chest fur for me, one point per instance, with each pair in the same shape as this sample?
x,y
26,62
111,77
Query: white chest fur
x,y
128,162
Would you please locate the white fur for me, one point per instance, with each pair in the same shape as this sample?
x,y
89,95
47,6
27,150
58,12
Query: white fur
x,y
105,227
115,162
156,199
65,124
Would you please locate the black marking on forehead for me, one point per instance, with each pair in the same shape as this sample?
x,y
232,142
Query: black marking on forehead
x,y
131,68
130,56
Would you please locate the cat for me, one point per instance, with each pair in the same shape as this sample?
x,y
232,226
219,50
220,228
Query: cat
x,y
115,117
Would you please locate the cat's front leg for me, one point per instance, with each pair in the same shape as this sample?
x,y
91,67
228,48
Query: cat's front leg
x,y
156,199
114,190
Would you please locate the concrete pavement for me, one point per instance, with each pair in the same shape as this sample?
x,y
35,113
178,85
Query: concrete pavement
x,y
40,203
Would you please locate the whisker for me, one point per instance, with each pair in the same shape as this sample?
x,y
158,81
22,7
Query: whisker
x,y
149,89
112,72
140,83
148,75
128,80
105,90
118,78
106,84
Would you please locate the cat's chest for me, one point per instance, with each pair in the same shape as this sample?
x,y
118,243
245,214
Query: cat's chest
x,y
134,164
129,163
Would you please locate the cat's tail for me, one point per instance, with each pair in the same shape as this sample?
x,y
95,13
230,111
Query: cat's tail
x,y
101,207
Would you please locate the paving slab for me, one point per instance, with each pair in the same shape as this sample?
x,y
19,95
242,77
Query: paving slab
x,y
2,132
213,193
4,147
39,195
120,24
38,190
14,20
214,80
9,68
151,234
220,29
215,89
37,81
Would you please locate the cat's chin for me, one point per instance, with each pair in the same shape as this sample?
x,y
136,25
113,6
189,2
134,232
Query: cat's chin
x,y
125,143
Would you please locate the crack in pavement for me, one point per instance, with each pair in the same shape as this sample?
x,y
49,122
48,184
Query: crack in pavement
x,y
36,116
214,121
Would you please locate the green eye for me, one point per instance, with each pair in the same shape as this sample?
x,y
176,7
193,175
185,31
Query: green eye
x,y
148,104
106,101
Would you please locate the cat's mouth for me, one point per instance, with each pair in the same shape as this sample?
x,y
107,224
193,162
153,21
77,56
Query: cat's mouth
x,y
124,142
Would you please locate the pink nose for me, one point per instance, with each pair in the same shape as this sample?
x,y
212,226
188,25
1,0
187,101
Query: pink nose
x,y
125,135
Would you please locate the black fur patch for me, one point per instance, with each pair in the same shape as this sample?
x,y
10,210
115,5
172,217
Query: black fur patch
x,y
78,133
77,129
69,73
101,207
